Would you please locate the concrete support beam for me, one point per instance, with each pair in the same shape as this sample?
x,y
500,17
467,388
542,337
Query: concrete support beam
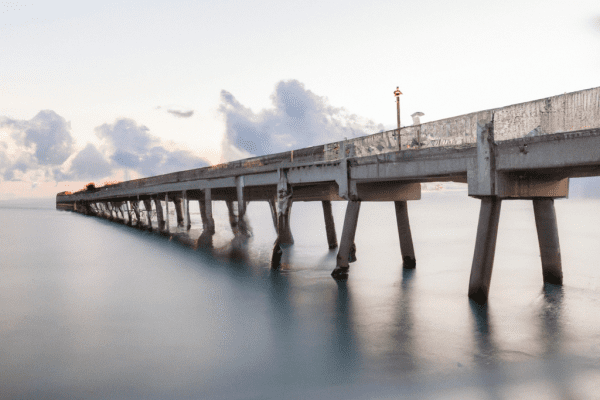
x,y
159,214
485,247
406,244
329,225
148,208
547,230
347,246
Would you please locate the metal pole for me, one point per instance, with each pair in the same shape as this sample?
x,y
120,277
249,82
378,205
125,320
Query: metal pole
x,y
397,93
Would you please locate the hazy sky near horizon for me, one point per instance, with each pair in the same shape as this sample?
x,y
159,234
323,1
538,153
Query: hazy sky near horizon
x,y
114,90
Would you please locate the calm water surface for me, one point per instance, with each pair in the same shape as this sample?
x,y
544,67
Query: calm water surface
x,y
94,309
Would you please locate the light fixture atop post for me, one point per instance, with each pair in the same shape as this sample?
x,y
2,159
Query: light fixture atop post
x,y
397,93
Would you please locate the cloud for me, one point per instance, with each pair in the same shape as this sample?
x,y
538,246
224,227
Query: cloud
x,y
131,146
181,114
34,145
89,163
299,118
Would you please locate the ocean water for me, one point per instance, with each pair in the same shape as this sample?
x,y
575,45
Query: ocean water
x,y
94,309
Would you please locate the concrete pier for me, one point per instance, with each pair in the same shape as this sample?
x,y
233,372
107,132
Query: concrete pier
x,y
135,205
159,214
547,230
347,240
329,224
526,151
406,243
167,225
485,248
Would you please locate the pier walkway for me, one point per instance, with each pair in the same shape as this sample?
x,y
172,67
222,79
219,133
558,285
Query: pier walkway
x,y
526,151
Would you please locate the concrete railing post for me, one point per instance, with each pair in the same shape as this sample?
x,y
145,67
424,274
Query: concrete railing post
x,y
329,224
547,230
344,256
485,248
406,242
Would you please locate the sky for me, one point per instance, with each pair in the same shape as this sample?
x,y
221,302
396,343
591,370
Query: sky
x,y
115,90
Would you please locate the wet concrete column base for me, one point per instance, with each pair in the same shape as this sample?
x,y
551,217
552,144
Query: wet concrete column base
x,y
547,230
329,224
347,240
406,243
485,248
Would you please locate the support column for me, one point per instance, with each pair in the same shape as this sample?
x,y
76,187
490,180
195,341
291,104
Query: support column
x,y
485,247
208,222
128,212
284,205
187,222
406,243
273,207
347,241
329,225
243,225
167,211
547,230
135,205
178,206
148,207
159,214
233,222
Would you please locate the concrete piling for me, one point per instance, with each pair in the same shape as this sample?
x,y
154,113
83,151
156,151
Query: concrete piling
x,y
347,240
284,209
485,248
177,201
135,205
243,226
329,224
233,222
406,243
208,221
159,214
273,207
167,212
187,222
148,208
547,230
129,219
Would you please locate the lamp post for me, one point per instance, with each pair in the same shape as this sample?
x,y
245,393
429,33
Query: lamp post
x,y
397,93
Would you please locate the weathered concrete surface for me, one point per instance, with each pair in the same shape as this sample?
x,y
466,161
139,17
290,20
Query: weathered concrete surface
x,y
347,246
485,249
329,225
547,230
406,243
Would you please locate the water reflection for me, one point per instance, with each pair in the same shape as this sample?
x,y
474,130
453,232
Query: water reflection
x,y
343,343
403,334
